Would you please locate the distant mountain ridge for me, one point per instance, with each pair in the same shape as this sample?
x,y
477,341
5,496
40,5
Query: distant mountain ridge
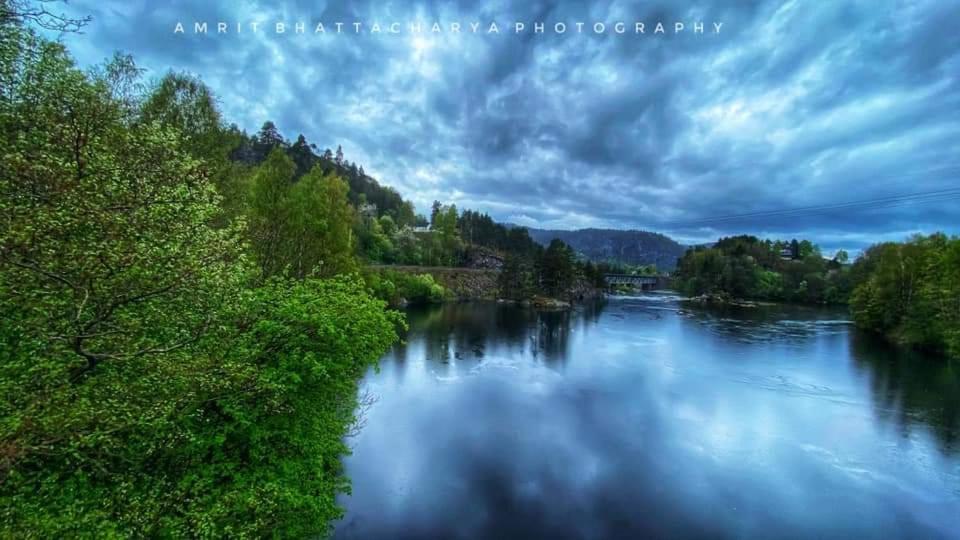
x,y
626,246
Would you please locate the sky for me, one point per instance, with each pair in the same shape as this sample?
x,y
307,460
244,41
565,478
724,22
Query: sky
x,y
837,121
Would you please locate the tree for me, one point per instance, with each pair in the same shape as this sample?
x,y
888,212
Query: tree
x,y
269,212
594,275
557,268
388,226
434,212
516,280
122,77
446,236
320,231
909,292
26,13
184,103
302,155
111,281
747,267
269,135
409,248
808,249
149,385
265,141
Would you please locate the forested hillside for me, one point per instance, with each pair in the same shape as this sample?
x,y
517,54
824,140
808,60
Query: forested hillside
x,y
618,246
252,150
290,185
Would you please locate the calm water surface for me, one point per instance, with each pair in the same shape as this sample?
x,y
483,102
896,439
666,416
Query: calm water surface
x,y
643,417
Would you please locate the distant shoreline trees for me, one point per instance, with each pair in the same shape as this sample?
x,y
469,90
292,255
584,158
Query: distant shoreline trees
x,y
907,291
749,268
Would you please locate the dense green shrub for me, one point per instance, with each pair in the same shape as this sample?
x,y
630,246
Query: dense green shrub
x,y
397,287
150,385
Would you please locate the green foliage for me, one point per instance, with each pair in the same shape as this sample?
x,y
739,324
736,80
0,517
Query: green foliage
x,y
397,288
302,228
375,242
149,386
409,248
277,446
445,243
320,227
632,269
594,274
747,267
269,212
769,284
911,292
383,228
387,225
363,189
184,103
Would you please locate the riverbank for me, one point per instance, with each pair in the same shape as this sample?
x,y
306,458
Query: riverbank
x,y
465,284
724,299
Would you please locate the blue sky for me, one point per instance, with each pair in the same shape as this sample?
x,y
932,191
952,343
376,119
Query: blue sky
x,y
792,104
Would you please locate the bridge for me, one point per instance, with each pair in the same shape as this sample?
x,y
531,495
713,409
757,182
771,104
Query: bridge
x,y
645,283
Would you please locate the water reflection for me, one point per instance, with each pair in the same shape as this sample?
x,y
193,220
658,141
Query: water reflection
x,y
648,417
911,389
462,332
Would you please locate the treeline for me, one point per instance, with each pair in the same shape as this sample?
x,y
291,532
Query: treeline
x,y
749,268
182,331
907,291
252,150
555,272
910,292
479,229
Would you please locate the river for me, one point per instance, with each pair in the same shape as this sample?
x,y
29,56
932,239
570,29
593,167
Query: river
x,y
645,417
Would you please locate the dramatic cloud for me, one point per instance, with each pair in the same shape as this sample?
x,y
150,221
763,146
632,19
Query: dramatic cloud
x,y
791,105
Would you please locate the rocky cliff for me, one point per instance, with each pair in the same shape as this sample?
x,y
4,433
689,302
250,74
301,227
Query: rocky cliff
x,y
631,247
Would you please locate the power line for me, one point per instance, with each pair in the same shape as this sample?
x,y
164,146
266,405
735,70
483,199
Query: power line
x,y
926,197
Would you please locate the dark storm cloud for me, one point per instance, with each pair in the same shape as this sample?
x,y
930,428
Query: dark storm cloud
x,y
791,105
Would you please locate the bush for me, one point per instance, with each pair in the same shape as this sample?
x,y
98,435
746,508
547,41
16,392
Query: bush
x,y
397,287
